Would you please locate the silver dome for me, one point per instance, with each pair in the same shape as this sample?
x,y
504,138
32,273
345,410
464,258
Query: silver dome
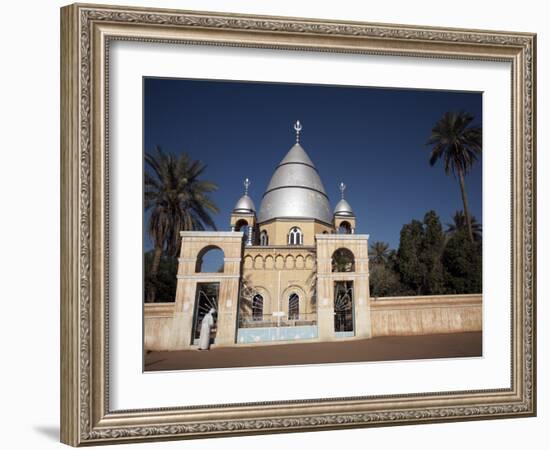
x,y
295,190
244,205
343,208
297,154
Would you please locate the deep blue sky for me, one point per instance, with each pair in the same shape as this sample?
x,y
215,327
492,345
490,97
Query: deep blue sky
x,y
372,139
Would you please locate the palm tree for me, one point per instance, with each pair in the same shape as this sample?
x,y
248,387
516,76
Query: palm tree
x,y
178,200
458,143
380,252
459,223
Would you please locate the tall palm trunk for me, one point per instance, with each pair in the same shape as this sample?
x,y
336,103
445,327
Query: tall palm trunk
x,y
465,202
153,274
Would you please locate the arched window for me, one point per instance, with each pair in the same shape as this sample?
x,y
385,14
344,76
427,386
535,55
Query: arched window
x,y
344,228
210,260
295,236
264,240
343,261
242,225
293,306
257,307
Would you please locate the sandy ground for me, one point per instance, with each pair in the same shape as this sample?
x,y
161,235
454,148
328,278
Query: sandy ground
x,y
375,349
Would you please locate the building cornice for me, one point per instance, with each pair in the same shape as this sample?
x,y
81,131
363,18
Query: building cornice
x,y
206,276
281,247
213,234
295,219
342,237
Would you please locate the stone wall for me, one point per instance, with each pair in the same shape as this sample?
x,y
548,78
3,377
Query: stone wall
x,y
277,272
390,316
157,325
402,316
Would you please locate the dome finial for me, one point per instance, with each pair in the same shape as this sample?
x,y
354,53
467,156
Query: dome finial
x,y
343,208
298,128
342,189
245,204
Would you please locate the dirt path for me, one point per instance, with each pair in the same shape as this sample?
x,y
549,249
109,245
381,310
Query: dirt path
x,y
375,349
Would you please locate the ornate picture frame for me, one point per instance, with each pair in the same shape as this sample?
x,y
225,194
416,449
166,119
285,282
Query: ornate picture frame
x,y
86,34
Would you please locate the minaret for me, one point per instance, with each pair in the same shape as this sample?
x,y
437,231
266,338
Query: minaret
x,y
344,218
243,217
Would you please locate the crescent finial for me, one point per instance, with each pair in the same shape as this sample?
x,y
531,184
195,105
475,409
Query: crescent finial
x,y
342,189
298,127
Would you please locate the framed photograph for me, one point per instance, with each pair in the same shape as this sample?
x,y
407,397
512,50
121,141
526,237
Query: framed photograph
x,y
276,225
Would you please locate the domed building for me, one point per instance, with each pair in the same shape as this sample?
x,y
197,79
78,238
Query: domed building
x,y
293,270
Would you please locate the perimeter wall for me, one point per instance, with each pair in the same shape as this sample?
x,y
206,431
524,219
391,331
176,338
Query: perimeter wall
x,y
389,316
431,314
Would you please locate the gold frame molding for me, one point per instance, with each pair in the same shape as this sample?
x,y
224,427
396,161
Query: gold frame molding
x,y
86,31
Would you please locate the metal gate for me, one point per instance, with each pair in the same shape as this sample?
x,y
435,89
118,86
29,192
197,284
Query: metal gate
x,y
206,298
343,308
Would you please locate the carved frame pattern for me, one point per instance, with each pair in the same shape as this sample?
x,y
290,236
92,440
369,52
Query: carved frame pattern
x,y
86,33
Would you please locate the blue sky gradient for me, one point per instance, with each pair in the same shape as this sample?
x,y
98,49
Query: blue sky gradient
x,y
372,139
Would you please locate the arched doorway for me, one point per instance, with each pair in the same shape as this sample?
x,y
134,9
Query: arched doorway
x,y
343,308
207,295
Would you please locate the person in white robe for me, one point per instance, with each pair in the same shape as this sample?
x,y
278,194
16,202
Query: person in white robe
x,y
206,326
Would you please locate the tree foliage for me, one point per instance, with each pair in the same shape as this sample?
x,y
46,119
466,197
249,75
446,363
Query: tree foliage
x,y
459,223
427,262
419,255
385,282
178,199
164,283
463,262
458,143
379,252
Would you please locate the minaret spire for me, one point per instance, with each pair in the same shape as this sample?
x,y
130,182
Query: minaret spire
x,y
298,127
342,189
246,186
